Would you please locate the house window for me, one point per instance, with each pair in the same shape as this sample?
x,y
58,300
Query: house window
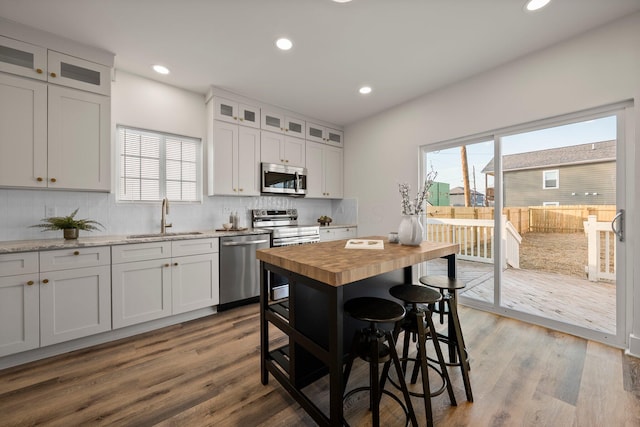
x,y
550,179
154,165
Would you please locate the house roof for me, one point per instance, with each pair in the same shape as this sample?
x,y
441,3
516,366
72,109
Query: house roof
x,y
460,190
595,152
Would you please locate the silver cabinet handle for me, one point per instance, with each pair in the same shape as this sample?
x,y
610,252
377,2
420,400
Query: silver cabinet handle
x,y
618,231
251,242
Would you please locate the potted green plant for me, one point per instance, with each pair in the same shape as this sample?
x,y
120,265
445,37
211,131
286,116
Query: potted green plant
x,y
69,225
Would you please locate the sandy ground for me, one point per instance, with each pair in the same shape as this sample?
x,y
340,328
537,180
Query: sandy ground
x,y
554,252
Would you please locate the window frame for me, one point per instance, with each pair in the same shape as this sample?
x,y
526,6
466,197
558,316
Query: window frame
x,y
162,193
544,179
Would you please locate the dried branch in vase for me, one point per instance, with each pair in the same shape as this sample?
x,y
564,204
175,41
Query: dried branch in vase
x,y
416,206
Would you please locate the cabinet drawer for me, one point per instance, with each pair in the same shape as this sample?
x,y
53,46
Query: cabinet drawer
x,y
194,247
140,252
19,263
63,259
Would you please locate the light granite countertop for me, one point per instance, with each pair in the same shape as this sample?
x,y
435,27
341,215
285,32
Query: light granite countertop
x,y
110,240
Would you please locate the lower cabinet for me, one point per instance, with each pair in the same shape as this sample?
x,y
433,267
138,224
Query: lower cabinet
x,y
337,233
19,313
74,303
155,280
65,294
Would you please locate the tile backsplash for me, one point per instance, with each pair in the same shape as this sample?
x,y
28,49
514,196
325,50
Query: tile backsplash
x,y
19,209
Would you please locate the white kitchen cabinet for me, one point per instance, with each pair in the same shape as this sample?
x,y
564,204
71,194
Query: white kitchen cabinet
x,y
141,291
236,112
324,165
234,160
67,70
23,59
37,62
51,136
19,303
78,144
337,233
75,293
155,280
324,134
195,282
282,149
141,282
282,123
23,132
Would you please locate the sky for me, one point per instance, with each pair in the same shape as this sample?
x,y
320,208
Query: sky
x,y
447,162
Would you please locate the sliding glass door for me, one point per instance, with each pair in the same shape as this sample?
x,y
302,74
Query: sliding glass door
x,y
535,210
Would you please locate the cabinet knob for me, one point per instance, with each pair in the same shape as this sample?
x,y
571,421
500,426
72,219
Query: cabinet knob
x,y
39,179
167,265
45,281
76,252
241,119
53,180
235,118
175,263
242,189
53,74
30,283
39,70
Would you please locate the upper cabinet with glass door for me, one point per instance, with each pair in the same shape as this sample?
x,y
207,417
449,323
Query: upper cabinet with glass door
x,y
78,73
23,59
37,62
236,112
282,123
324,134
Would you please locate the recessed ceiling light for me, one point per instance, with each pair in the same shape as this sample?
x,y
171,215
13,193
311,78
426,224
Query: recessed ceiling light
x,y
365,90
284,44
536,4
342,1
160,69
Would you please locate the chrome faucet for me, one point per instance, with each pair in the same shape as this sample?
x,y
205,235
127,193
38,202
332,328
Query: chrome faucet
x,y
165,212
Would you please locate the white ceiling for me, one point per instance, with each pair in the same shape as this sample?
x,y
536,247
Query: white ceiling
x,y
402,48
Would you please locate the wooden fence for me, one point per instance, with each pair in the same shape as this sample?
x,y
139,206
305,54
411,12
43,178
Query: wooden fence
x,y
540,219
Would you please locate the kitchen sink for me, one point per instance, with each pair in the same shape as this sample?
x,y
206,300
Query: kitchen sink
x,y
143,236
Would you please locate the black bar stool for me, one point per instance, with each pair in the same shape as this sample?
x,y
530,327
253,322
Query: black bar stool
x,y
414,324
377,346
454,338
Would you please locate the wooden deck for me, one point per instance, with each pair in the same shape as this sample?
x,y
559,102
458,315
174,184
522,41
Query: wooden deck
x,y
564,298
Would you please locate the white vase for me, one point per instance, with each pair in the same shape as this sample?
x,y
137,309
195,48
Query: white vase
x,y
410,231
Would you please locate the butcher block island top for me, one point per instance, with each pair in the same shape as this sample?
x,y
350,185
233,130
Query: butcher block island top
x,y
330,263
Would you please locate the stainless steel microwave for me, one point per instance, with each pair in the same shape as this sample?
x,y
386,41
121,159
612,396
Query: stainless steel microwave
x,y
283,179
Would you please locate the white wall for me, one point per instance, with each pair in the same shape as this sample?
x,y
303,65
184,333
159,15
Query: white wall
x,y
148,104
594,69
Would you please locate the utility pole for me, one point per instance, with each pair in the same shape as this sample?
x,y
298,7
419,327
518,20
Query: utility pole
x,y
465,176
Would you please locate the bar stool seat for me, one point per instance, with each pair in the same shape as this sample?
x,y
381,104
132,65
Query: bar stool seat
x,y
377,346
458,354
414,325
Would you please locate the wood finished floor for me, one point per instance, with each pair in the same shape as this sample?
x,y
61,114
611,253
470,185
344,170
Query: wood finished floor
x,y
206,373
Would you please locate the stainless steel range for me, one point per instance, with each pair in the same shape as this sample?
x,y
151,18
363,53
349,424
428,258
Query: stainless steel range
x,y
285,231
284,227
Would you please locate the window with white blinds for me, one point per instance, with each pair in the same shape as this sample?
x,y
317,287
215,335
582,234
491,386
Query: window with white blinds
x,y
155,165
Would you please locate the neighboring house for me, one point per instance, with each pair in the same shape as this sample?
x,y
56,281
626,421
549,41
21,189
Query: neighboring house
x,y
456,197
577,175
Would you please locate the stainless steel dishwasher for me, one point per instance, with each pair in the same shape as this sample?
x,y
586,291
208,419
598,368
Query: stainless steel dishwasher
x,y
240,269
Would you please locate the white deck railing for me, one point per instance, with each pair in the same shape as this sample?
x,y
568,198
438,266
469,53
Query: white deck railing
x,y
601,243
476,238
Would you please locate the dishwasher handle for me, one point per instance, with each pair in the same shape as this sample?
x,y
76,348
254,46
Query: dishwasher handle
x,y
245,243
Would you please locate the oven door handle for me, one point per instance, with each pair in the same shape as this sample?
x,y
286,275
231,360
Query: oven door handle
x,y
247,243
